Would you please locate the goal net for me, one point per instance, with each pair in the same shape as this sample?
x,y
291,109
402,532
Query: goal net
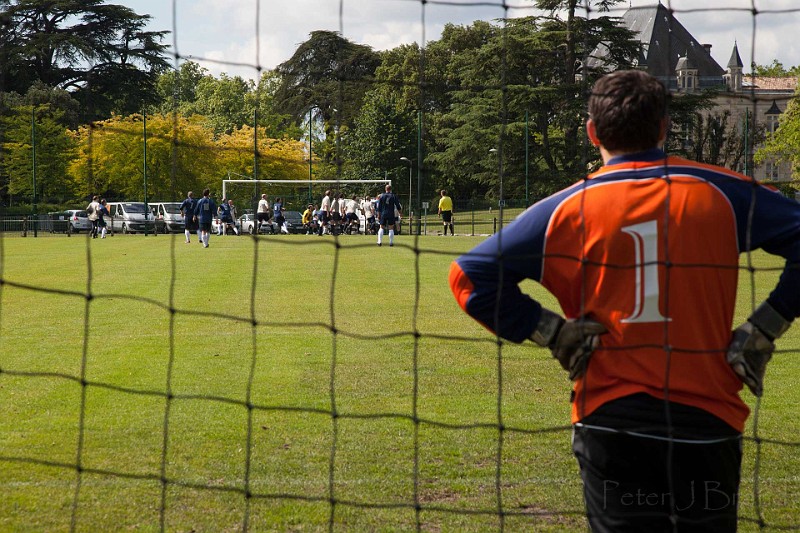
x,y
328,384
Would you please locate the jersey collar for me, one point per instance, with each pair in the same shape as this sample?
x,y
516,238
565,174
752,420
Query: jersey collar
x,y
654,154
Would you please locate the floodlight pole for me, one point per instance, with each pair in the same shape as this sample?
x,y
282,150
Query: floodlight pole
x,y
254,202
310,155
33,156
410,213
527,150
144,167
500,202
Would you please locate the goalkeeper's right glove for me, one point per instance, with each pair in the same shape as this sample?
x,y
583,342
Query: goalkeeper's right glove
x,y
752,345
570,341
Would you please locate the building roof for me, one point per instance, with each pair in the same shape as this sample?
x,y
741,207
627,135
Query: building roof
x,y
735,61
763,83
774,109
664,40
684,63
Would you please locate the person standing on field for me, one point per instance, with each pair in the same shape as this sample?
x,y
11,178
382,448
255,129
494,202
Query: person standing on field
x,y
102,213
231,218
278,211
93,215
205,211
324,212
187,209
643,258
368,208
262,215
446,212
388,204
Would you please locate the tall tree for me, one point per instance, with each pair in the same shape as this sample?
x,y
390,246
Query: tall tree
x,y
329,73
227,103
38,130
518,71
783,145
100,52
776,70
111,157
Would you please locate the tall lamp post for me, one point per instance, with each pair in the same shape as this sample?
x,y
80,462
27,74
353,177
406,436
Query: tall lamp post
x,y
310,155
501,203
410,168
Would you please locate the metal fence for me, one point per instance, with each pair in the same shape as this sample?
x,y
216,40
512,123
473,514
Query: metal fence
x,y
470,217
34,226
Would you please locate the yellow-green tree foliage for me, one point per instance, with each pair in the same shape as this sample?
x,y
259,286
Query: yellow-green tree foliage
x,y
54,148
182,155
784,144
278,159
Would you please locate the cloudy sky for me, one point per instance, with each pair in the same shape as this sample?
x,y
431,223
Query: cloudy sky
x,y
267,32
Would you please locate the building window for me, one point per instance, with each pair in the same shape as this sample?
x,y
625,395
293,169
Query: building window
x,y
772,123
771,170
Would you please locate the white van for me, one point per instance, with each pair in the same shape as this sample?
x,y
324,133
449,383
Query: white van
x,y
130,217
168,217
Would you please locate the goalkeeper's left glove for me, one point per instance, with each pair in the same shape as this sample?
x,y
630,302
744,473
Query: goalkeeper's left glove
x,y
752,345
570,341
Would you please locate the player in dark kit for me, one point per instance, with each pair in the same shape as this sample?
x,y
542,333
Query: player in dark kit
x,y
643,257
387,204
204,211
190,221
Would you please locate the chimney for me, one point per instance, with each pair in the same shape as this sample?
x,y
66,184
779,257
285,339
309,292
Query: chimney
x,y
708,48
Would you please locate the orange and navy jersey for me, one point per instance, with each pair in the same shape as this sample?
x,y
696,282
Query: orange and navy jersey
x,y
649,247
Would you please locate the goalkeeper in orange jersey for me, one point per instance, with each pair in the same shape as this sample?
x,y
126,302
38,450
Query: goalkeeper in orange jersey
x,y
643,258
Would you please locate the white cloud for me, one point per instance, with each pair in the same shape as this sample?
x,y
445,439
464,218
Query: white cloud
x,y
226,30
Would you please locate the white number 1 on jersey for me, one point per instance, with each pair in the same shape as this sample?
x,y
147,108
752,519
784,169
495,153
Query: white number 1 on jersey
x,y
645,239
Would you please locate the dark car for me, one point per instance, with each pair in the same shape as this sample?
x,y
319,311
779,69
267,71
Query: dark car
x,y
294,221
294,224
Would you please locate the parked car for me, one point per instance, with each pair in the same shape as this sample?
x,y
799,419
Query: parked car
x,y
71,221
249,224
130,217
168,217
294,223
215,227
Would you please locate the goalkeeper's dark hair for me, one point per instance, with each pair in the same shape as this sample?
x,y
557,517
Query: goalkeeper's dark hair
x,y
627,108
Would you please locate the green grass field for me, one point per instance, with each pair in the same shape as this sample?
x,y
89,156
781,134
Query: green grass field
x,y
298,329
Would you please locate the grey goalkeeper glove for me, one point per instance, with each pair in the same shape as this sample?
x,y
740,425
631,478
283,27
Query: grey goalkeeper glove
x,y
752,345
570,341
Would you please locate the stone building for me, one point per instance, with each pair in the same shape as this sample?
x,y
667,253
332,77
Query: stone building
x,y
673,55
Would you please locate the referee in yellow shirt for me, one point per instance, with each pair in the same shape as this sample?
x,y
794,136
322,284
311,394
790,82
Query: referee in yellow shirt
x,y
446,212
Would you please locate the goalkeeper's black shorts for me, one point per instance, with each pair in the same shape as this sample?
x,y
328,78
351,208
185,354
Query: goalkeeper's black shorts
x,y
636,479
